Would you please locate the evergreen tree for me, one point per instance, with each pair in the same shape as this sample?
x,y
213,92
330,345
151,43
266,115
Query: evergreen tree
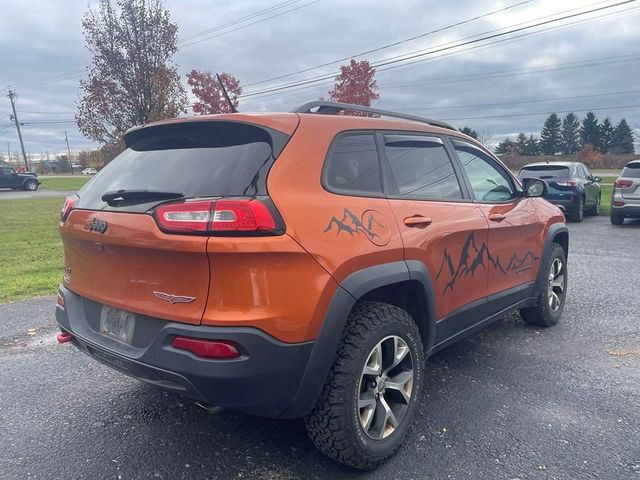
x,y
622,139
550,138
590,131
470,132
521,143
532,146
606,135
506,146
569,133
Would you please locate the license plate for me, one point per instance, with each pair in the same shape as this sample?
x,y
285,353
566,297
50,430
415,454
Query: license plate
x,y
117,324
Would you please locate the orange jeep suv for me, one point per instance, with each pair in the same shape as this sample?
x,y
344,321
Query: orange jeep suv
x,y
304,264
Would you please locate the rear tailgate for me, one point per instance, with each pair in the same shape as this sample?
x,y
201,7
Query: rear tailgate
x,y
556,176
116,254
136,267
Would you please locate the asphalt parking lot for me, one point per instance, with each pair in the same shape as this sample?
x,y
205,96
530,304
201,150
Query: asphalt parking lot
x,y
512,402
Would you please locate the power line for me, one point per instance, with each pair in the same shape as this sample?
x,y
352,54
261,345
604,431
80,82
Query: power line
x,y
249,24
275,7
436,50
622,107
390,45
539,100
475,47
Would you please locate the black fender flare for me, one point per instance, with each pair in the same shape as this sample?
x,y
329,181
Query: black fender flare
x,y
352,288
552,234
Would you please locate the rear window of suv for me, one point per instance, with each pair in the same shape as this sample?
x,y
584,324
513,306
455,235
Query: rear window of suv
x,y
197,159
544,171
632,170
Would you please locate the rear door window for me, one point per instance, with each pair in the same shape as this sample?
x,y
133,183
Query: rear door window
x,y
421,167
197,159
353,166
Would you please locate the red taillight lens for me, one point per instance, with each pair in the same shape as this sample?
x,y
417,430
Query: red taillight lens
x,y
206,348
241,215
567,183
622,183
69,203
618,204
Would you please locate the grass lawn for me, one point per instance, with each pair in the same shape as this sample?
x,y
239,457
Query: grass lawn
x,y
605,198
54,183
30,248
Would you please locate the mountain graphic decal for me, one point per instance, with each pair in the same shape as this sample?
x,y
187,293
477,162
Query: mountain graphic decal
x,y
472,258
351,224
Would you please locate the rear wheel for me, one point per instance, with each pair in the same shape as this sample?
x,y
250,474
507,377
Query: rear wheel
x,y
578,214
596,209
554,293
373,390
616,219
31,185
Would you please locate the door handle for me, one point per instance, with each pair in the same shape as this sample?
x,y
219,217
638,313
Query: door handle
x,y
417,221
497,217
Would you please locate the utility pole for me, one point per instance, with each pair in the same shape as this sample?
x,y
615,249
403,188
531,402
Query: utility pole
x,y
66,139
12,96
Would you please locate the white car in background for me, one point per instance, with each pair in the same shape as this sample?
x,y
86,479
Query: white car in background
x,y
89,171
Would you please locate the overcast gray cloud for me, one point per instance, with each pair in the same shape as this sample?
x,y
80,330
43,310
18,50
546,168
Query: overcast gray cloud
x,y
588,62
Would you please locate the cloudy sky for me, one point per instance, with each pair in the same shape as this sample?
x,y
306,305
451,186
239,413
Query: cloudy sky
x,y
498,86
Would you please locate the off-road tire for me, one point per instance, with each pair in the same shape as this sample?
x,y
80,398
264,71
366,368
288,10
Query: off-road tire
x,y
334,424
542,315
616,219
31,186
577,215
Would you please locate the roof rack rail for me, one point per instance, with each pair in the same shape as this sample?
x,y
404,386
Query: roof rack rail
x,y
333,108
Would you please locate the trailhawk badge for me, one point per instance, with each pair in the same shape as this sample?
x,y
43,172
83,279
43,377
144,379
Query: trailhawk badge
x,y
167,297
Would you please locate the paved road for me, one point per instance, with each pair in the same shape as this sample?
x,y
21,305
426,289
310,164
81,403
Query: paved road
x,y
15,194
509,403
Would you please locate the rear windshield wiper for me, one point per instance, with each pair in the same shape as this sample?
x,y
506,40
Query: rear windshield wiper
x,y
114,197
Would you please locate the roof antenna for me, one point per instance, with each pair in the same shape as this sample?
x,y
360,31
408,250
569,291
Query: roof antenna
x,y
226,95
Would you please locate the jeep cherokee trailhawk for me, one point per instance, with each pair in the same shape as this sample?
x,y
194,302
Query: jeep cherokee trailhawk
x,y
304,264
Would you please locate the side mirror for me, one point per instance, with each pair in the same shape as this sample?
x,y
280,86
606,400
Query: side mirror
x,y
597,179
534,187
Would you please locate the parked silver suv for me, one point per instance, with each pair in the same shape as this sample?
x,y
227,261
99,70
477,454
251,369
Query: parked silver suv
x,y
625,197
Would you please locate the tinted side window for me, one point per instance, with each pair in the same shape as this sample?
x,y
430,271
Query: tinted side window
x,y
6,172
489,183
353,165
421,168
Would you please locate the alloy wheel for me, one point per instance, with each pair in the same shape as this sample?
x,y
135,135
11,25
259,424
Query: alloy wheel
x,y
555,290
385,389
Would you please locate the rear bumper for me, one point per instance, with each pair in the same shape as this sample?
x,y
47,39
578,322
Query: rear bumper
x,y
263,381
631,207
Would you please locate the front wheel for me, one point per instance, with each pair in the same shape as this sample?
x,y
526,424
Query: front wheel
x,y
31,186
371,395
551,301
596,209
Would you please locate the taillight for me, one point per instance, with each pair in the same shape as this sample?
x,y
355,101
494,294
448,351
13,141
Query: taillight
x,y
567,183
207,348
618,204
69,203
619,183
248,215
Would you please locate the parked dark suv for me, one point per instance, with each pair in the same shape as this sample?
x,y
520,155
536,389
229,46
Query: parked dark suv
x,y
9,178
572,187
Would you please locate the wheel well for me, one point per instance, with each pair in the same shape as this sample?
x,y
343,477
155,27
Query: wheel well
x,y
562,239
408,295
